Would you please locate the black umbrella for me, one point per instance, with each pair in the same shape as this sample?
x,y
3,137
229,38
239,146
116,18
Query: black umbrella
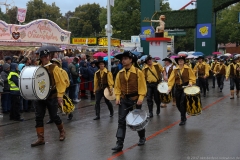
x,y
50,48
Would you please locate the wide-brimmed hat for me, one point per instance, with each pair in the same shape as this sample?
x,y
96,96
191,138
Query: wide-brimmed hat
x,y
149,57
100,60
181,57
126,54
44,53
221,60
57,61
167,59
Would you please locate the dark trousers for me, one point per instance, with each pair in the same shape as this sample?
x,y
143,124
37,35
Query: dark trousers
x,y
180,102
213,80
220,81
152,92
207,84
123,110
41,106
6,101
99,95
202,82
25,104
72,90
234,81
15,107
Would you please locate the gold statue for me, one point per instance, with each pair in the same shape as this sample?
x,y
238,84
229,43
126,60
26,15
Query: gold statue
x,y
161,27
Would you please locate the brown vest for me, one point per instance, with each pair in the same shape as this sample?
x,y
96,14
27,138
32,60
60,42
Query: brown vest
x,y
213,66
222,71
185,76
129,86
102,81
201,71
159,76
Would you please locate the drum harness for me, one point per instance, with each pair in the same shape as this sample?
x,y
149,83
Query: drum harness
x,y
154,76
181,85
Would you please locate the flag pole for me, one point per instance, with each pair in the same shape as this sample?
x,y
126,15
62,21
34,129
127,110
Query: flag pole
x,y
109,32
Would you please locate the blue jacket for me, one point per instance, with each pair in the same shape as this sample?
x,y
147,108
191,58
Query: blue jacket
x,y
91,72
65,67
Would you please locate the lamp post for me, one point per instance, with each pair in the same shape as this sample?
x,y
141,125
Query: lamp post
x,y
68,19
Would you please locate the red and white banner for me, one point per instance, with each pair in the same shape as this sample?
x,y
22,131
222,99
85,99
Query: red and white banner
x,y
21,14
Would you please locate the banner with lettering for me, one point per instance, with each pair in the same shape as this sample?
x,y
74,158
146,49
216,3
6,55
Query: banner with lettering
x,y
41,30
21,14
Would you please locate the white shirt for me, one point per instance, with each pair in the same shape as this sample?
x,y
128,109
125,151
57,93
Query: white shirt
x,y
168,67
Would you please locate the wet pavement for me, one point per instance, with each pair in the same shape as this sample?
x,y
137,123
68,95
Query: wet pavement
x,y
212,135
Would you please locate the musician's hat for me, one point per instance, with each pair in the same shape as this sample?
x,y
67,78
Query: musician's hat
x,y
167,59
126,54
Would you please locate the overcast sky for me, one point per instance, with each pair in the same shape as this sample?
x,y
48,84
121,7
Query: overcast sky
x,y
66,5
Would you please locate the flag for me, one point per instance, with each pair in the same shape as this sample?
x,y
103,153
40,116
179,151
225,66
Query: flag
x,y
112,3
21,14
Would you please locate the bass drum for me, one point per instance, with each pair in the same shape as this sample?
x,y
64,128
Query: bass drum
x,y
193,100
34,83
163,89
137,120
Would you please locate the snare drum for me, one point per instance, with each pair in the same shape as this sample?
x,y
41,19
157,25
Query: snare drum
x,y
193,100
34,83
163,89
137,120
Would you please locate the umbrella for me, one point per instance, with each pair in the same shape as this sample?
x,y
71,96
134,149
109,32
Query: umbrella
x,y
157,58
191,56
223,57
182,52
197,54
216,53
99,54
173,57
143,57
137,53
227,54
106,58
50,48
190,53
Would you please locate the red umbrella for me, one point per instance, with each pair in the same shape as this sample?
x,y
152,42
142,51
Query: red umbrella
x,y
157,58
99,54
216,53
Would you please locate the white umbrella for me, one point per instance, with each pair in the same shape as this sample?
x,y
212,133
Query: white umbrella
x,y
191,52
182,52
191,56
227,54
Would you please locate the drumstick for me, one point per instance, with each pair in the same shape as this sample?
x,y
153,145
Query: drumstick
x,y
185,86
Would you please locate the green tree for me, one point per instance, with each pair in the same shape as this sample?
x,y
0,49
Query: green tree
x,y
37,9
3,16
165,6
12,16
184,43
228,27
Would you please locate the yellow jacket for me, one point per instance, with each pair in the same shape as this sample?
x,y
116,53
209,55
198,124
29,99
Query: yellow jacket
x,y
109,79
142,87
207,68
171,80
149,76
59,81
229,68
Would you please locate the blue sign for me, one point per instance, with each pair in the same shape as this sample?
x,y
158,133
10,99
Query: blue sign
x,y
204,30
147,31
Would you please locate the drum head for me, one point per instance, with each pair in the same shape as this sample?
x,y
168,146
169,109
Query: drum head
x,y
192,90
108,96
42,83
136,117
163,87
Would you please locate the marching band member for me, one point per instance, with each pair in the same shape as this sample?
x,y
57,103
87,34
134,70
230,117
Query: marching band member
x,y
233,74
168,68
181,76
130,90
102,79
51,103
153,76
209,67
220,72
212,68
202,70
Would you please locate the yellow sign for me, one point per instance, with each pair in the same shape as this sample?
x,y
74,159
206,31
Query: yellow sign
x,y
204,31
104,42
84,40
166,36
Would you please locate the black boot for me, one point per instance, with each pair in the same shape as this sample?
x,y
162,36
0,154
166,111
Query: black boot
x,y
150,108
119,145
142,139
97,108
70,116
110,107
183,121
158,110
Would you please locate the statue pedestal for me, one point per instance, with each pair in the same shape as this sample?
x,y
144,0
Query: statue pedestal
x,y
158,47
159,35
